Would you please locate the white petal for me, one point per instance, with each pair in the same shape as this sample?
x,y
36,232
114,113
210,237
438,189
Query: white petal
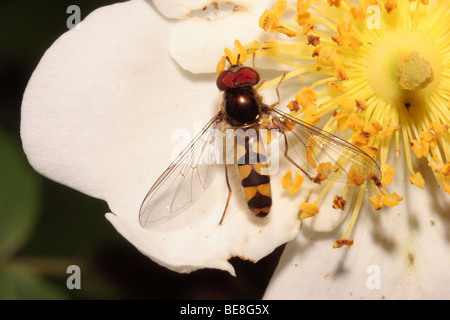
x,y
399,253
179,9
328,218
197,43
98,115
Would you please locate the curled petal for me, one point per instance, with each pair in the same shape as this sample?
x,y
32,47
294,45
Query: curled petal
x,y
198,39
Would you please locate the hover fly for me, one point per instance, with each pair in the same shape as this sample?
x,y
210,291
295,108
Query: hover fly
x,y
243,111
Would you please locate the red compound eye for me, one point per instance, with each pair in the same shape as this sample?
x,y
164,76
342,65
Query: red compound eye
x,y
247,75
225,80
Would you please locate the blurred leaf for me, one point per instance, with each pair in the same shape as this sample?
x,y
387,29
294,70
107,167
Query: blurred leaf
x,y
18,283
19,197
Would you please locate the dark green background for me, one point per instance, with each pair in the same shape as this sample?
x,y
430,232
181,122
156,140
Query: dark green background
x,y
45,226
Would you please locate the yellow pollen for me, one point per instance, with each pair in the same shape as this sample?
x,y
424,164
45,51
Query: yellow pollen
x,y
445,169
343,242
340,73
308,210
346,103
371,151
388,174
346,37
416,148
390,5
296,183
336,86
286,180
292,184
387,132
237,56
377,202
323,170
293,106
355,178
447,188
361,104
373,128
270,19
355,122
438,127
417,179
358,13
221,66
341,118
336,3
391,200
307,28
306,97
304,18
360,138
339,202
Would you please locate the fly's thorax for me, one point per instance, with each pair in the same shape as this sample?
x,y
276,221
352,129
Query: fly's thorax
x,y
241,106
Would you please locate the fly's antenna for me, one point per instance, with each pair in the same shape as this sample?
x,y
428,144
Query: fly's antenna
x,y
253,61
237,61
229,61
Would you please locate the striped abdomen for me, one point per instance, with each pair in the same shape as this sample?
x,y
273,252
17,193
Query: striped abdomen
x,y
254,174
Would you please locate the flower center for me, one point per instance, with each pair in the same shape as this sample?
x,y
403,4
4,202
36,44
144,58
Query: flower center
x,y
403,68
414,72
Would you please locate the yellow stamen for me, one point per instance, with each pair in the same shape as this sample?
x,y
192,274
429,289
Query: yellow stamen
x,y
346,103
343,242
341,118
339,202
388,86
293,184
390,5
306,97
392,200
388,174
418,180
296,183
308,210
237,56
355,178
355,122
221,66
310,151
445,169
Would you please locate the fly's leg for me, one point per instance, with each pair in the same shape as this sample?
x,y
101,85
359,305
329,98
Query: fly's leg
x,y
230,191
286,150
225,163
278,93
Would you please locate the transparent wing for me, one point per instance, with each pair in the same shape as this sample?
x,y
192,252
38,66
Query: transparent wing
x,y
185,180
321,155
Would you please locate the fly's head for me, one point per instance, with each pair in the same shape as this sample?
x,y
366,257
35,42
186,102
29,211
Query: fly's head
x,y
241,102
237,76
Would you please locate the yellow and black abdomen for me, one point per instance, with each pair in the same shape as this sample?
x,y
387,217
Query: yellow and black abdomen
x,y
254,174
